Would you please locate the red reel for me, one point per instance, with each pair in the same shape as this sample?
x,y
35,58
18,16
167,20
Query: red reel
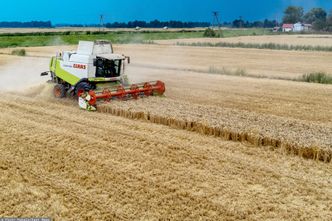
x,y
160,88
134,91
93,99
148,89
121,92
107,95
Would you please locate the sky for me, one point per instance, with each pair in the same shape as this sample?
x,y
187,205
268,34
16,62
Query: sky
x,y
87,12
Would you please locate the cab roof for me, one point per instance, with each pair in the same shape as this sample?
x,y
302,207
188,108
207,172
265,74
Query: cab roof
x,y
111,56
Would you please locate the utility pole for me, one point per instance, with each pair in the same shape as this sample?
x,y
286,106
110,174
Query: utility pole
x,y
101,23
241,21
216,21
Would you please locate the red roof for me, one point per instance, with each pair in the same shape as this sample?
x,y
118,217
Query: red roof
x,y
287,26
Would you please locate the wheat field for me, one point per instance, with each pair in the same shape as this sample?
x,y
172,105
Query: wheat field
x,y
57,161
307,139
308,40
215,147
255,62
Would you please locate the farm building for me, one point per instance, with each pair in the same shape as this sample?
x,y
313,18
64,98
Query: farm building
x,y
287,27
298,27
307,27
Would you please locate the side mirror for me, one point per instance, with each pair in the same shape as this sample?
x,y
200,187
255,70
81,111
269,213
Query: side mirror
x,y
128,59
44,73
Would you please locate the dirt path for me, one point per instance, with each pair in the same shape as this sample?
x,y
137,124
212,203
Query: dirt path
x,y
67,164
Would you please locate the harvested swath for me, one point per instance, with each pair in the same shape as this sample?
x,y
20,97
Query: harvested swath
x,y
306,139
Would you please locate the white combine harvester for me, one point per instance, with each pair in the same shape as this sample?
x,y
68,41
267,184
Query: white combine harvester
x,y
94,72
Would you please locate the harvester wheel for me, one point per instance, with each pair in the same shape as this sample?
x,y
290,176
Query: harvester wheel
x,y
59,91
82,87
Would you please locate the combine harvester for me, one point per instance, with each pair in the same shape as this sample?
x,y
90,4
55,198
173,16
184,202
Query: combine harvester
x,y
94,73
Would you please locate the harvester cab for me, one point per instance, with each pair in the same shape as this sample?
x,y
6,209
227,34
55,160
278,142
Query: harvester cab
x,y
94,72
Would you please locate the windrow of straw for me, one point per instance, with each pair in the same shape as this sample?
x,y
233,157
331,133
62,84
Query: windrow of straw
x,y
302,139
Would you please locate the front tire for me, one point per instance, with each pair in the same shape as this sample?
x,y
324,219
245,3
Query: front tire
x,y
83,87
59,91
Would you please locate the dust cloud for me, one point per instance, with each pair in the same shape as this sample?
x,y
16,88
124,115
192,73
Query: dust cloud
x,y
23,73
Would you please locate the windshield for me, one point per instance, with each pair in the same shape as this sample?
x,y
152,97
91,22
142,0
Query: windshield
x,y
108,68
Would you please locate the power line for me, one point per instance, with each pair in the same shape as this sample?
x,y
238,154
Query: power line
x,y
101,23
216,21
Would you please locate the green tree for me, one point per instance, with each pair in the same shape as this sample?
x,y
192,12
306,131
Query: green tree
x,y
293,14
238,23
210,33
315,14
316,17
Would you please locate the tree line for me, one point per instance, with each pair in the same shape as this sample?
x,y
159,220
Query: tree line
x,y
30,24
240,23
317,17
157,24
237,23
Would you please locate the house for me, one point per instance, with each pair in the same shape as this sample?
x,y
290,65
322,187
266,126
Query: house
x,y
287,27
298,27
